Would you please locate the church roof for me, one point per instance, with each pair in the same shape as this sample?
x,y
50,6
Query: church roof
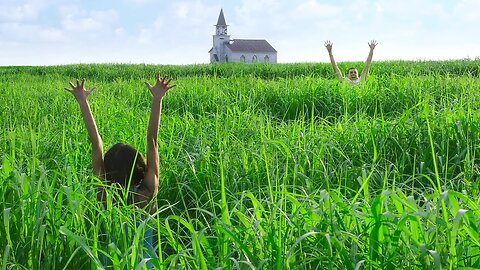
x,y
221,19
250,45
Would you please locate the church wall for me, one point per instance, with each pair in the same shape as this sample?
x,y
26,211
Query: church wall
x,y
237,57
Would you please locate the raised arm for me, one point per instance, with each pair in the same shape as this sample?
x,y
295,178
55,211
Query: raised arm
x,y
368,63
158,91
81,94
338,73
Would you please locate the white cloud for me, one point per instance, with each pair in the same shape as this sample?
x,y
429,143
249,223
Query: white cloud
x,y
77,20
144,37
259,13
468,10
247,7
25,32
120,32
182,10
142,2
181,35
188,21
409,9
50,34
193,12
313,10
359,10
21,11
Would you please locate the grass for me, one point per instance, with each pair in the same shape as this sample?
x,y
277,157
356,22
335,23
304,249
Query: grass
x,y
262,167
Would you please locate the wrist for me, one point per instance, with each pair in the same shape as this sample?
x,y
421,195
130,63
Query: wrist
x,y
157,98
82,101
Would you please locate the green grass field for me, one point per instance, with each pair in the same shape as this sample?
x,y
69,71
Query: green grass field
x,y
262,167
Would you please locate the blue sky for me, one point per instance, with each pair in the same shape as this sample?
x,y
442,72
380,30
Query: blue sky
x,y
53,32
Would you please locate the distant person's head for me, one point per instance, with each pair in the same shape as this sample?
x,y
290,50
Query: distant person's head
x,y
352,73
122,161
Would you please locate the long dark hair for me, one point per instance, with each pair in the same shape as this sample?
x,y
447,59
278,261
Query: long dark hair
x,y
122,161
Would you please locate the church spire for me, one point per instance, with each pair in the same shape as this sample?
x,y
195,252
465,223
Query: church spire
x,y
221,19
221,25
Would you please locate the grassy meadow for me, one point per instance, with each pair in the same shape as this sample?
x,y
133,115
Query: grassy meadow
x,y
262,167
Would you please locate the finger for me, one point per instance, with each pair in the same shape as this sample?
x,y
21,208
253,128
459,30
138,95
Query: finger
x,y
68,90
71,84
83,83
166,80
158,76
171,86
149,86
78,84
91,90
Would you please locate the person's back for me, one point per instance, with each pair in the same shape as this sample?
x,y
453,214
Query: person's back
x,y
125,166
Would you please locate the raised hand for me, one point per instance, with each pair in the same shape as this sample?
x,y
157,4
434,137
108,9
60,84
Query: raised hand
x,y
329,45
81,94
372,44
161,87
79,91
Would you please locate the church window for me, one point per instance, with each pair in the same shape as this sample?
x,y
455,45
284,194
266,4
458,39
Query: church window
x,y
254,59
226,58
266,59
242,58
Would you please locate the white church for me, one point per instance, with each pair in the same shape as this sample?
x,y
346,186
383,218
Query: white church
x,y
239,50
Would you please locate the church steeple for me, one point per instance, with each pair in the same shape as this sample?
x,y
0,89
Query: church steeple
x,y
221,25
221,39
221,19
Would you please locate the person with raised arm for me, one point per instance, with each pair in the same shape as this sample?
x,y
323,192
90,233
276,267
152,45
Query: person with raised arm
x,y
122,163
352,74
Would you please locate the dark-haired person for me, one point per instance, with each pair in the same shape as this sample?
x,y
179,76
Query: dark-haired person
x,y
123,164
352,74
